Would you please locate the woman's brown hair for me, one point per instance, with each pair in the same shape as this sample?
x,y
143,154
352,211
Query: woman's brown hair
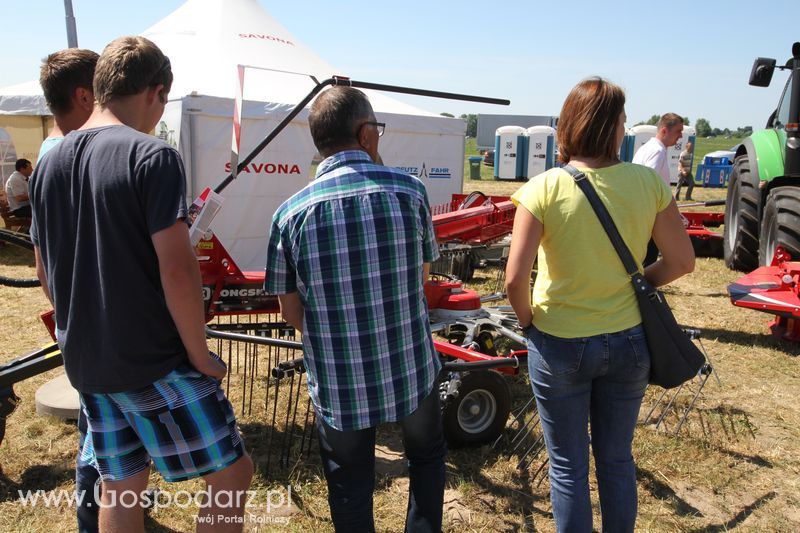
x,y
587,126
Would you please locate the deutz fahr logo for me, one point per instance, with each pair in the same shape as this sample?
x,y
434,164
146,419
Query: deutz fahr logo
x,y
422,172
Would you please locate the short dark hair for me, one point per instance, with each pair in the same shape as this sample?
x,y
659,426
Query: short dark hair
x,y
669,121
21,163
335,117
129,65
587,125
62,73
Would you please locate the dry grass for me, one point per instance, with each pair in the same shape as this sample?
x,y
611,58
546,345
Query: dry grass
x,y
735,464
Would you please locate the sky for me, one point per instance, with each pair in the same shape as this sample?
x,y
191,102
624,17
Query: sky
x,y
688,57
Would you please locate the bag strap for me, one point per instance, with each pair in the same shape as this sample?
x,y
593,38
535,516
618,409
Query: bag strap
x,y
640,284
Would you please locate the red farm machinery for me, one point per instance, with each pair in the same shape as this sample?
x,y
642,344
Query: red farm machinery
x,y
480,346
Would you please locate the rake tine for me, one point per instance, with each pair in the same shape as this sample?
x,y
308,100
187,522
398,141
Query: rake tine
x,y
292,424
276,389
307,431
497,441
709,366
312,425
520,413
531,454
253,369
540,470
658,402
517,420
691,404
288,411
533,419
228,382
529,432
522,465
244,377
669,405
521,410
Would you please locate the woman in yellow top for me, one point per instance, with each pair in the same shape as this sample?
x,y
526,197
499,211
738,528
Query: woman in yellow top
x,y
587,354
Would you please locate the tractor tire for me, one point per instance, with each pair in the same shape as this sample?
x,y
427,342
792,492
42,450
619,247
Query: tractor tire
x,y
780,225
740,238
479,413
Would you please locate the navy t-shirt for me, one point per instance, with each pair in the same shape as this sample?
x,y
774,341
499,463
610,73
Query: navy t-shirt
x,y
97,199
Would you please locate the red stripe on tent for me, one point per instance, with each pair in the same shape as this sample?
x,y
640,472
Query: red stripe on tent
x,y
236,136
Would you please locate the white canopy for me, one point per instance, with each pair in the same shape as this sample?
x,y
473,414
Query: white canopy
x,y
205,41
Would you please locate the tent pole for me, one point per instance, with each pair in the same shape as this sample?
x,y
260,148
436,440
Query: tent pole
x,y
72,31
192,156
336,80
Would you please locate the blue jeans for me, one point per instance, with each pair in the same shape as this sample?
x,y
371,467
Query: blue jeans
x,y
348,459
597,381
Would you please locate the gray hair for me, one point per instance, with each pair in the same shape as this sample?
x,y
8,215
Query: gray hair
x,y
335,117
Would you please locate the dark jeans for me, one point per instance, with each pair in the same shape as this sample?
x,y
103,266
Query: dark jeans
x,y
348,459
86,477
597,381
687,180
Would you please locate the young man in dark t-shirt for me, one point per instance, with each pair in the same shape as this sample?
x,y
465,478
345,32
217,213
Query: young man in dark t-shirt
x,y
66,79
113,254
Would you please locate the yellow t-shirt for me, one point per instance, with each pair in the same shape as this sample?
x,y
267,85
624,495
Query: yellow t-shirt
x,y
582,288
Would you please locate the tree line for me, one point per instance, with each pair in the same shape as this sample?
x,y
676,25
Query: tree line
x,y
702,127
472,122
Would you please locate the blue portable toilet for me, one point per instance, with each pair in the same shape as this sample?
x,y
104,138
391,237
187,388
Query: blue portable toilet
x,y
674,152
626,149
509,153
540,150
639,135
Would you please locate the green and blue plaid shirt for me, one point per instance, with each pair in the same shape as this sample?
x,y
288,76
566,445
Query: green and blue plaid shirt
x,y
352,244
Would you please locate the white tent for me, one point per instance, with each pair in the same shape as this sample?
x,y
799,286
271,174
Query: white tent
x,y
205,41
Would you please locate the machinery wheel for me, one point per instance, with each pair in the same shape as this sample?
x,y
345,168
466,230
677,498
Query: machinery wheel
x,y
781,224
478,414
740,238
23,242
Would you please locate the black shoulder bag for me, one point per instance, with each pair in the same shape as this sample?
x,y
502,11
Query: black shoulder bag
x,y
674,358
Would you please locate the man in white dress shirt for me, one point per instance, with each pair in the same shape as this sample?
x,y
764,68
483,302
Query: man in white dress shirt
x,y
653,153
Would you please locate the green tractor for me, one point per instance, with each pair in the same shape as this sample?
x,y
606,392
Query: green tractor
x,y
762,210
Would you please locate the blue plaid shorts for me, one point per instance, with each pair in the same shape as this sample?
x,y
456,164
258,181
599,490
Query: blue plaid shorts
x,y
183,423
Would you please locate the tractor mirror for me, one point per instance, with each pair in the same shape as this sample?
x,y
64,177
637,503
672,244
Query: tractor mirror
x,y
761,75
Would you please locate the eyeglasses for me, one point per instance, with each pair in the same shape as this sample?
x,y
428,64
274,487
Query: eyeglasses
x,y
380,126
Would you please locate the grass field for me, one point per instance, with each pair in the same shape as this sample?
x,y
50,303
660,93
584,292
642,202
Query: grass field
x,y
735,465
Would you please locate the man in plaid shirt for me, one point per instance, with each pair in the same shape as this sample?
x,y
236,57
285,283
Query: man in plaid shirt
x,y
348,256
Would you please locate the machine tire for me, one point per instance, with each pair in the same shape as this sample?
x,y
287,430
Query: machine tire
x,y
479,413
740,238
781,224
22,241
